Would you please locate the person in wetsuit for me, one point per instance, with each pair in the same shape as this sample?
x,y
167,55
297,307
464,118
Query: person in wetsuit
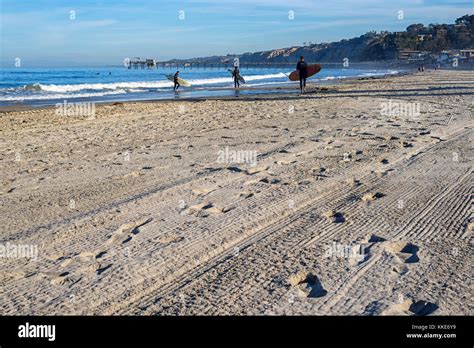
x,y
302,68
175,80
235,75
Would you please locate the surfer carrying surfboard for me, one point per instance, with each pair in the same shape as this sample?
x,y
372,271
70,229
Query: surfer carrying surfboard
x,y
236,75
238,79
176,82
302,68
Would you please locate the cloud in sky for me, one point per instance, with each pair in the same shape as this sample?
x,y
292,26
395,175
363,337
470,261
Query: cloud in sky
x,y
103,32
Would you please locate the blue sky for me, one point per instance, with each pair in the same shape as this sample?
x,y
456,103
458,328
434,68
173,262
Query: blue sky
x,y
41,32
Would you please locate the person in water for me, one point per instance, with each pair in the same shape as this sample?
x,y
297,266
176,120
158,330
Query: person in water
x,y
302,68
235,75
175,80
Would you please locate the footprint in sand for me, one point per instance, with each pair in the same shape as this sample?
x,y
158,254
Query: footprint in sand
x,y
86,256
256,170
4,276
422,307
102,269
67,262
267,180
204,208
333,216
100,254
405,252
318,170
246,194
410,307
375,239
63,278
235,169
285,162
129,230
366,249
251,182
95,267
308,284
134,174
303,153
370,196
170,238
353,182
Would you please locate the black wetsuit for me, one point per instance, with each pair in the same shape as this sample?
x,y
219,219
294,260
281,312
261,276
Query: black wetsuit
x,y
235,74
302,67
176,83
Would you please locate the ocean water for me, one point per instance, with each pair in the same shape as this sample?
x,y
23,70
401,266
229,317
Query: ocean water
x,y
37,86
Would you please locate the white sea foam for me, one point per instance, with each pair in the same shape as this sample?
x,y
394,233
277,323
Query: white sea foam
x,y
59,95
138,86
104,86
229,79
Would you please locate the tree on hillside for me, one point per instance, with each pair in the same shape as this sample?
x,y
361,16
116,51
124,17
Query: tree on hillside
x,y
467,20
416,29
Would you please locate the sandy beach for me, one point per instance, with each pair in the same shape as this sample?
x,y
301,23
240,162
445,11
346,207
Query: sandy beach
x,y
354,199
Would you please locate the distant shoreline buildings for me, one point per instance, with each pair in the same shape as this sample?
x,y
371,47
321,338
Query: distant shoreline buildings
x,y
442,45
136,63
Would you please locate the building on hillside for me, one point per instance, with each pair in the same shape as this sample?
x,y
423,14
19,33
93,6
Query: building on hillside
x,y
407,54
423,37
460,26
467,54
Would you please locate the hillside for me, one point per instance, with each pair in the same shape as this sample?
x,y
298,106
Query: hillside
x,y
371,46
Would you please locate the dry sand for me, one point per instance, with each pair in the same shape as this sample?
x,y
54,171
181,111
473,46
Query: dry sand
x,y
132,211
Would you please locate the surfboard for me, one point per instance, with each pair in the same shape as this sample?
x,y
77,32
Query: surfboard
x,y
313,69
241,79
180,80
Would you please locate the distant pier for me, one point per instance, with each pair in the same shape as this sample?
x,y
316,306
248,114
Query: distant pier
x,y
182,65
138,63
218,66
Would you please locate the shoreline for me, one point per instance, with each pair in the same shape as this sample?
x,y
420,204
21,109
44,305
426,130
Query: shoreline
x,y
282,90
